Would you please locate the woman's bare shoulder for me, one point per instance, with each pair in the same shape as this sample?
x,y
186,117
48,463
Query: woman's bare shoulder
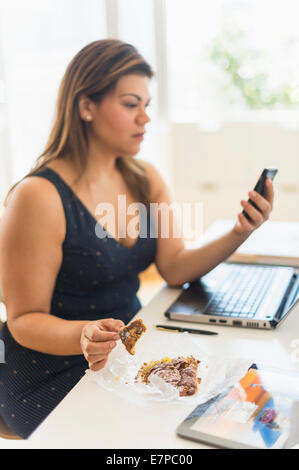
x,y
36,197
36,191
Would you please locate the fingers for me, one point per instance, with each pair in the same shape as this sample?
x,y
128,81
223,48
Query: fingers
x,y
258,214
96,351
245,225
98,339
98,365
255,216
95,359
264,205
96,347
94,333
110,324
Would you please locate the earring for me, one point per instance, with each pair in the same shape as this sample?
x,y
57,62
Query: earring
x,y
88,117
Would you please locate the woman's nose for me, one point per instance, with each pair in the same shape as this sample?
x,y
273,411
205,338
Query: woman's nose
x,y
143,117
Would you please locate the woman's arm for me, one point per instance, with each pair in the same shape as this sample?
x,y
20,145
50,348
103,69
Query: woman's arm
x,y
189,265
31,237
32,231
178,265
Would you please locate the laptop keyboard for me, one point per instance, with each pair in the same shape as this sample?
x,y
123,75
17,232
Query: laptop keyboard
x,y
242,292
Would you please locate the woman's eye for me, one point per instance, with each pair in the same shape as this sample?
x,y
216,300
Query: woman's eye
x,y
130,105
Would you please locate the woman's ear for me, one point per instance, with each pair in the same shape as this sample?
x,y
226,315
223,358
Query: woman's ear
x,y
85,108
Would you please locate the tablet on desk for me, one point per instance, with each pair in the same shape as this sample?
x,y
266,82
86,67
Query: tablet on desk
x,y
255,413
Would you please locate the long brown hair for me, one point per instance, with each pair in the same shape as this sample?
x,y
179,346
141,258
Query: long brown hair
x,y
94,71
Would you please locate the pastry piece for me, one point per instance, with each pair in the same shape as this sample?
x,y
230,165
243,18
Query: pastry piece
x,y
148,368
180,372
131,333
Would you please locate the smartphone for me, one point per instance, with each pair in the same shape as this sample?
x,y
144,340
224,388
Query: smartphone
x,y
260,186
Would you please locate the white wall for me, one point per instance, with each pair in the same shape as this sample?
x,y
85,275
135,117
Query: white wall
x,y
220,167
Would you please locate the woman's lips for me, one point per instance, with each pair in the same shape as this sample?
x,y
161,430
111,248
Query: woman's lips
x,y
138,136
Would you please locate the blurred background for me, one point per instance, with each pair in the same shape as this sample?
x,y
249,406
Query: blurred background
x,y
225,94
225,97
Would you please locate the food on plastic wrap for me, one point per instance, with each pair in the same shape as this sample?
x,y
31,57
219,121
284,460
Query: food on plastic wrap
x,y
180,372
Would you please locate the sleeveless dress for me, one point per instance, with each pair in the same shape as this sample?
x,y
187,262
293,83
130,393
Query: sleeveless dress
x,y
98,279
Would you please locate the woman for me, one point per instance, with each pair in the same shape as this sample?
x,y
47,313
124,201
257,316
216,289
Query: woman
x,y
68,291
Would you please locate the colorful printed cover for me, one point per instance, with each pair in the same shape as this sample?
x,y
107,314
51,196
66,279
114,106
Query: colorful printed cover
x,y
256,412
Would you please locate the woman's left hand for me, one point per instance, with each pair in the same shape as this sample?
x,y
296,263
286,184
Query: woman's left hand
x,y
243,226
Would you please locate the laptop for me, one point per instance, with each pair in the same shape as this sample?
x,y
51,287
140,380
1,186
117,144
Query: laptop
x,y
241,295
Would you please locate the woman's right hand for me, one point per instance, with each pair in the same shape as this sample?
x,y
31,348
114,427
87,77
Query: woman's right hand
x,y
98,338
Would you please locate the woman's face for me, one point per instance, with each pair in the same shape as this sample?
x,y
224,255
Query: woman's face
x,y
119,120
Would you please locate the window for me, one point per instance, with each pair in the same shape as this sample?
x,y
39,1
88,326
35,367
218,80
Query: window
x,y
233,59
37,41
39,38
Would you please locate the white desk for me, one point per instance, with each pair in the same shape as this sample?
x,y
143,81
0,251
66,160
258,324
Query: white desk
x,y
91,417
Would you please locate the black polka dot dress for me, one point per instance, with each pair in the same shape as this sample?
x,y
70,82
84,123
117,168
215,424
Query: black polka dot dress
x,y
98,279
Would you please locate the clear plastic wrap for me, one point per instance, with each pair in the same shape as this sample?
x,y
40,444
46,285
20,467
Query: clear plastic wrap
x,y
215,371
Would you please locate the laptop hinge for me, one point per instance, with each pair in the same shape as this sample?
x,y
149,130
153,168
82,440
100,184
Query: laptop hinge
x,y
287,301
